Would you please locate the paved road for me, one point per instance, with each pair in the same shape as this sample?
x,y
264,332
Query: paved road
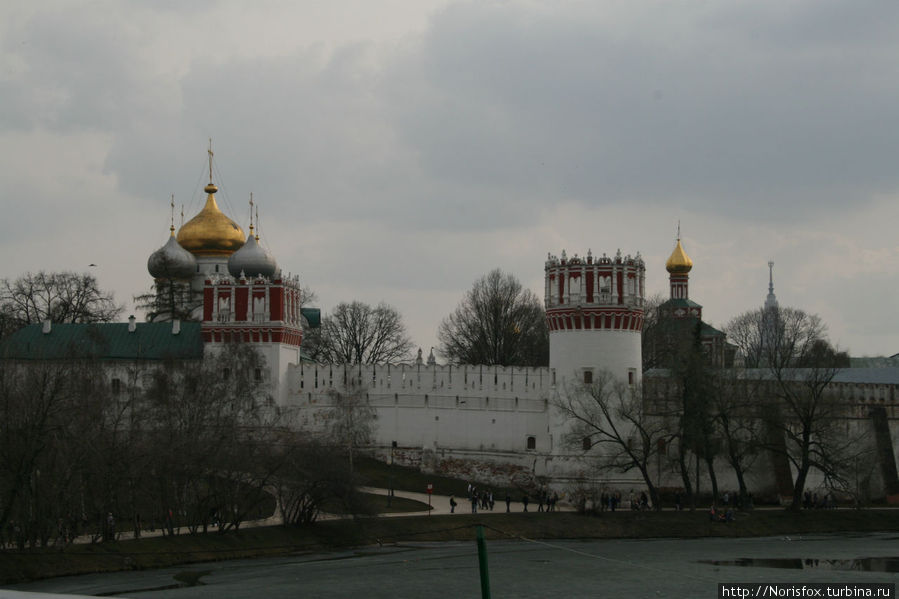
x,y
571,569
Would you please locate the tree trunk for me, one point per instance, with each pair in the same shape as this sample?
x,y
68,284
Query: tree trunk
x,y
685,475
710,464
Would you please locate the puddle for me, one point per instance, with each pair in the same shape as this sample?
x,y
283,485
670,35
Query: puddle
x,y
185,578
862,564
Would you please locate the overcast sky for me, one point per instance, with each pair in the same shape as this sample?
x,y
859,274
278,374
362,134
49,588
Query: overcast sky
x,y
400,149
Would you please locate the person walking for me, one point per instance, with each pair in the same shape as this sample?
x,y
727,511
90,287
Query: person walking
x,y
452,504
508,503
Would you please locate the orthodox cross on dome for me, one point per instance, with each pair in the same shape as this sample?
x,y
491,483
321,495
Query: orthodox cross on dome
x,y
210,160
678,229
172,226
251,213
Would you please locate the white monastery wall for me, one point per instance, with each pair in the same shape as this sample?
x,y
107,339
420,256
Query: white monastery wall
x,y
479,408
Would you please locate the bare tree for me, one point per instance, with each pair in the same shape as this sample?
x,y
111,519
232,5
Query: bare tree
x,y
612,428
498,322
168,299
351,418
60,297
34,407
311,474
736,403
654,339
357,333
209,424
792,349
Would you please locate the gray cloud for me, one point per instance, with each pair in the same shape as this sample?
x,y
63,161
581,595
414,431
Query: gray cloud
x,y
402,166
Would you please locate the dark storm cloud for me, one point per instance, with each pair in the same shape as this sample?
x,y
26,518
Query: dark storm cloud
x,y
754,110
713,117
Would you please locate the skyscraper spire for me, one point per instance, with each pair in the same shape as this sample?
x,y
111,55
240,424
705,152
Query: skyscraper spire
x,y
771,300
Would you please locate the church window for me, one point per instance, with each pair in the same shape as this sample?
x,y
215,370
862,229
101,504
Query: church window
x,y
587,444
257,374
631,376
588,377
216,268
532,442
116,386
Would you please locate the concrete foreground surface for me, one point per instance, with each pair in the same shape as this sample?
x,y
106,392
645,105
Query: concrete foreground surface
x,y
521,569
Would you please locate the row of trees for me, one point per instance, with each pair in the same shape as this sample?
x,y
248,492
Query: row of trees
x,y
498,322
178,445
782,408
59,297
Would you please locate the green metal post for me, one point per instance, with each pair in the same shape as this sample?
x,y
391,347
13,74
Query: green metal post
x,y
482,562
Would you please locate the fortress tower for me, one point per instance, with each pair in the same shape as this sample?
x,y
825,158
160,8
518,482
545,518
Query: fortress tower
x,y
594,310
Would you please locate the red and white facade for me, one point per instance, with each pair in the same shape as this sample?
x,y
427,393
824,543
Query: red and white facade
x,y
594,310
262,311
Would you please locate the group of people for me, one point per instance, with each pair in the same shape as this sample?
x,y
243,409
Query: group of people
x,y
611,501
723,514
545,498
825,501
485,500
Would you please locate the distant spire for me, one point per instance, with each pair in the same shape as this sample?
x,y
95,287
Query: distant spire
x,y
182,213
257,223
771,300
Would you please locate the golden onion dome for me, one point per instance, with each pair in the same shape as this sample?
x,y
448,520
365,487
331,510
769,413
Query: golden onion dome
x,y
679,262
211,233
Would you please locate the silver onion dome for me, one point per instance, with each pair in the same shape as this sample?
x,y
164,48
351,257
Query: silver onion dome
x,y
172,261
252,260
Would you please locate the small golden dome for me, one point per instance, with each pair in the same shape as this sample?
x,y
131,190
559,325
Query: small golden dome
x,y
679,262
211,233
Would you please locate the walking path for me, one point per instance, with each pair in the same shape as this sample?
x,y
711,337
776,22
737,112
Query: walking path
x,y
440,504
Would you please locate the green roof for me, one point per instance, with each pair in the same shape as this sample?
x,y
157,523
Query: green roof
x,y
104,341
313,316
710,331
680,303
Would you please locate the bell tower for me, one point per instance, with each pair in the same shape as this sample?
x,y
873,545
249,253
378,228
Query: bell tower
x,y
594,310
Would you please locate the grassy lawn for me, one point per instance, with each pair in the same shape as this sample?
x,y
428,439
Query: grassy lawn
x,y
327,535
376,473
378,505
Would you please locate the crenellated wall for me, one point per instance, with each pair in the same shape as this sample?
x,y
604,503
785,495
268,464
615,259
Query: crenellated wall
x,y
469,408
